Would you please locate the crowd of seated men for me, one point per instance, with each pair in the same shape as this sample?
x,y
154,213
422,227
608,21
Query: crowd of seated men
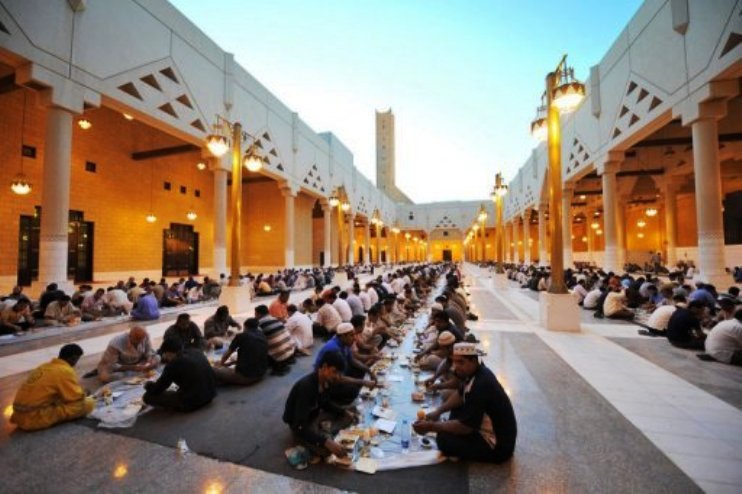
x,y
140,301
692,315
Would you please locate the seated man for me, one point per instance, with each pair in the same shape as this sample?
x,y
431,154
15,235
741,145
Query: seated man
x,y
190,371
659,319
117,301
252,357
187,332
17,318
350,383
280,344
327,319
614,306
482,425
299,327
437,352
130,351
216,327
62,311
684,326
93,306
279,307
724,342
309,404
147,308
52,393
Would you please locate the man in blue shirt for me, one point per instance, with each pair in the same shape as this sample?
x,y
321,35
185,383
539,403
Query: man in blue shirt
x,y
348,387
147,308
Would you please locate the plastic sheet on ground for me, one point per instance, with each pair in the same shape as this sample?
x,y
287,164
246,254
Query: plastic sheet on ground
x,y
410,460
125,406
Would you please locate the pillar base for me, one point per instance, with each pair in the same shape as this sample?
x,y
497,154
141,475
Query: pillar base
x,y
559,312
237,298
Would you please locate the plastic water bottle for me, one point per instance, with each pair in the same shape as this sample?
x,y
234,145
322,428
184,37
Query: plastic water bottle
x,y
405,436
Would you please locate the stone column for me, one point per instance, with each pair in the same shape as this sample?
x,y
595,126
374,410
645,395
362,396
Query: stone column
x,y
611,209
327,230
567,225
367,243
351,237
543,252
289,194
710,219
55,198
220,218
516,252
508,249
621,233
527,237
671,221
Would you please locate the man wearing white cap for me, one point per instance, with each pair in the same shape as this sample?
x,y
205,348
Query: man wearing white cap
x,y
438,352
350,383
482,425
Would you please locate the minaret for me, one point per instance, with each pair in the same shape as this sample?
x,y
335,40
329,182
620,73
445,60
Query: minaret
x,y
385,152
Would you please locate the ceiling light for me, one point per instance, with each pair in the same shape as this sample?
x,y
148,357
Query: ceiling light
x,y
201,165
191,215
127,116
151,218
84,123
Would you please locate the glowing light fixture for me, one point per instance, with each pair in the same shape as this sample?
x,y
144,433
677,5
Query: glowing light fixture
x,y
334,201
84,123
583,197
201,165
584,239
267,228
252,160
641,223
127,116
345,206
651,212
640,235
8,412
598,232
217,144
191,215
594,225
407,235
20,185
151,218
539,130
569,93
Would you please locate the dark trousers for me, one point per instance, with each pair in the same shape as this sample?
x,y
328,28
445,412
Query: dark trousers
x,y
320,331
693,344
170,399
625,314
471,447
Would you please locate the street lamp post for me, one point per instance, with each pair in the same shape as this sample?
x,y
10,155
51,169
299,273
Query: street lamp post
x,y
218,144
498,193
482,217
563,94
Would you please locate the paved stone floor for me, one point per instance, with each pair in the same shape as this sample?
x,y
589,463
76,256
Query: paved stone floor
x,y
598,411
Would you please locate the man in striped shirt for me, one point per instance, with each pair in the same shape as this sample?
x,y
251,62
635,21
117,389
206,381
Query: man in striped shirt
x,y
281,346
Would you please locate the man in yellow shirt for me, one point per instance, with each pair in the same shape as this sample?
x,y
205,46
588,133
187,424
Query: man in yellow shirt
x,y
52,393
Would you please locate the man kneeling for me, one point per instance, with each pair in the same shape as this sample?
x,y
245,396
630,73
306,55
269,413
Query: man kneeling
x,y
482,423
309,404
52,393
190,371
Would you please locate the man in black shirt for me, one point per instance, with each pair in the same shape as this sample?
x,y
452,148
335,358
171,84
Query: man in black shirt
x,y
482,424
252,357
187,332
684,326
190,371
308,398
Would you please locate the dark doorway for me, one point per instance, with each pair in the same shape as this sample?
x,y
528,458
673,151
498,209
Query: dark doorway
x,y
447,257
28,248
179,250
80,248
360,255
79,245
322,258
383,256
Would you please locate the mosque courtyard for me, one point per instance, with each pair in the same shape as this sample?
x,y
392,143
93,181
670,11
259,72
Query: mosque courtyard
x,y
602,410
